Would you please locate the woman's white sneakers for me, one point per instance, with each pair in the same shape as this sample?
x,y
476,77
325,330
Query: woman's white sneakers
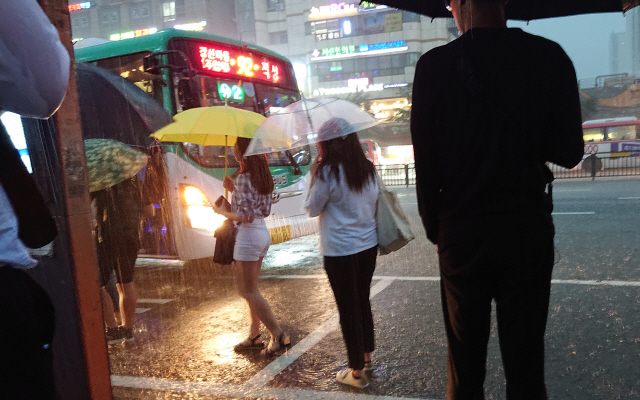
x,y
346,377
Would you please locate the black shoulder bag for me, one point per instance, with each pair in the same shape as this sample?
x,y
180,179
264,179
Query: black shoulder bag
x,y
225,237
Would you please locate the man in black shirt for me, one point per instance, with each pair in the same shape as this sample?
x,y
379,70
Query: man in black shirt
x,y
489,110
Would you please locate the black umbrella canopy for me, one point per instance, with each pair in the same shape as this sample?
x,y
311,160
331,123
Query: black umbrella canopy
x,y
524,10
111,107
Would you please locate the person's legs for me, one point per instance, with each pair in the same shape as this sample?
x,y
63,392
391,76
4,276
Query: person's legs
x,y
366,263
522,305
128,303
343,277
27,321
239,274
466,295
112,289
106,265
257,304
107,309
127,253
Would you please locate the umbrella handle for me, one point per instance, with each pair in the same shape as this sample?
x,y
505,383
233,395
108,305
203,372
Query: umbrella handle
x,y
306,110
226,165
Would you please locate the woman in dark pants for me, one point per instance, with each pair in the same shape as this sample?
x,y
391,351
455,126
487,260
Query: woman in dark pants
x,y
343,193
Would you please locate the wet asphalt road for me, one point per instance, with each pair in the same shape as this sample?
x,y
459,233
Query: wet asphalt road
x,y
190,317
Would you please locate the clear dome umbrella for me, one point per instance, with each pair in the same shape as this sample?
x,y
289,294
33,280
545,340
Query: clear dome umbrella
x,y
304,122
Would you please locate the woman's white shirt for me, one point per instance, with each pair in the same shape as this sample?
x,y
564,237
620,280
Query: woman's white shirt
x,y
347,219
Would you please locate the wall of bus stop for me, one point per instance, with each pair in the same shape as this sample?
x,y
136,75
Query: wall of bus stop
x,y
593,165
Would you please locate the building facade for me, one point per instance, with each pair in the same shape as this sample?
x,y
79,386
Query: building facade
x,y
624,49
365,52
121,19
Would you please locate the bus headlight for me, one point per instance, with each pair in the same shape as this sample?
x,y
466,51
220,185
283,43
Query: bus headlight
x,y
199,209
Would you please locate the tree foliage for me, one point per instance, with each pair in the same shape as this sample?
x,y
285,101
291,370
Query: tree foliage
x,y
403,115
361,99
588,107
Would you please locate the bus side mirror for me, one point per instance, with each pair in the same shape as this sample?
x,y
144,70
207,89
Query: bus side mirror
x,y
151,63
188,94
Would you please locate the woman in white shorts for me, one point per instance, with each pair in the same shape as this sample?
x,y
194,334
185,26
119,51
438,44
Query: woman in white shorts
x,y
250,205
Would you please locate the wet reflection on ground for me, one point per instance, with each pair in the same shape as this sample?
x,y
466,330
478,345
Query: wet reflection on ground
x,y
193,317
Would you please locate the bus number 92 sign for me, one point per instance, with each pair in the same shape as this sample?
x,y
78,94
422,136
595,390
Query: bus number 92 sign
x,y
241,65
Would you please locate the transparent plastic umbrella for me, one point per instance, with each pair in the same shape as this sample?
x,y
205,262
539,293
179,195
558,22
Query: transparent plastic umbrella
x,y
304,122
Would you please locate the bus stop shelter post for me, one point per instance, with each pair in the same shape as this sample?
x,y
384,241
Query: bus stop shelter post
x,y
78,215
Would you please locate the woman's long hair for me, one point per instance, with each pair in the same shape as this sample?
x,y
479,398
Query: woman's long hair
x,y
257,166
345,150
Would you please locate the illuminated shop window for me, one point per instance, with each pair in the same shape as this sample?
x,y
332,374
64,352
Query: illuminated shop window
x,y
329,29
371,67
169,10
362,24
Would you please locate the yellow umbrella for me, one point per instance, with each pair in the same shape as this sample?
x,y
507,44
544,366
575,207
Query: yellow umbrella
x,y
210,126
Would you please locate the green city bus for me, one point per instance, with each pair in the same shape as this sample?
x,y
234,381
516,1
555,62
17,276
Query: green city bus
x,y
185,69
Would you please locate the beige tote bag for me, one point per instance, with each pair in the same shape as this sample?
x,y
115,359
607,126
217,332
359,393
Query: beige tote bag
x,y
394,230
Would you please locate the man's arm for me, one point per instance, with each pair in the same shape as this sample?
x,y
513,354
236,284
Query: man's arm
x,y
34,65
424,148
566,144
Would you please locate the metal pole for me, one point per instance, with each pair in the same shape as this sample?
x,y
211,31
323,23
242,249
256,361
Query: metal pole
x,y
226,165
78,214
406,175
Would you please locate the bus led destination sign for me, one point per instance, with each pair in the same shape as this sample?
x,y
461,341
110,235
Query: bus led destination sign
x,y
227,61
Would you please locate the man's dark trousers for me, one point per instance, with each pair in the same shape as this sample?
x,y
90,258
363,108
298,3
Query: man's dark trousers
x,y
509,259
26,334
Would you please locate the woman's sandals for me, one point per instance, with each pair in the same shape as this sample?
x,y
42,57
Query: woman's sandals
x,y
277,345
249,344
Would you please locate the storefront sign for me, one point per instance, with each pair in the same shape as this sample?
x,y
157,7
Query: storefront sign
x,y
332,10
346,90
132,34
354,85
369,6
363,48
357,85
393,22
194,26
337,51
352,50
396,85
79,6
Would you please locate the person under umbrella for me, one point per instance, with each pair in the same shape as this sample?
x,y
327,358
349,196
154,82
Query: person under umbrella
x,y
489,110
250,205
343,194
296,125
117,202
